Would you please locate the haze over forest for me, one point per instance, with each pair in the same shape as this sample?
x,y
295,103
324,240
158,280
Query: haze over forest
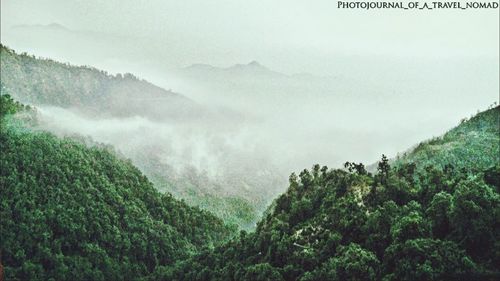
x,y
248,140
282,88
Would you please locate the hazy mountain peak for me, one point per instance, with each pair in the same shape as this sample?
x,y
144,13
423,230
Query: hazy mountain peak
x,y
50,26
55,25
253,65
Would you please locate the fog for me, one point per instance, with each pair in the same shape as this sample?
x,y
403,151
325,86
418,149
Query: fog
x,y
255,126
303,119
203,145
287,35
223,158
287,84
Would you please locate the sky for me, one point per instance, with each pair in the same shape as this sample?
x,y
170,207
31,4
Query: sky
x,y
286,35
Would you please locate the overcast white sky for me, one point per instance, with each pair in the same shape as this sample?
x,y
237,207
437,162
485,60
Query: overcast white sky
x,y
287,35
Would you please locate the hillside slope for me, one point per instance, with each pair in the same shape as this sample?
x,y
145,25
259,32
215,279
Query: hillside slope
x,y
151,126
37,81
72,212
413,221
471,145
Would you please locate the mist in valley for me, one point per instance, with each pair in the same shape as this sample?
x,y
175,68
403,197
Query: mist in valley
x,y
259,107
254,127
250,114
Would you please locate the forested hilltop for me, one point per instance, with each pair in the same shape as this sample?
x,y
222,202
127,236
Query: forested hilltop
x,y
37,81
472,145
75,211
434,216
152,126
70,212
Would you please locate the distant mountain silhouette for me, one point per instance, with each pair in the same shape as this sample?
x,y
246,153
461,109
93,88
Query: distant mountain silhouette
x,y
252,68
51,26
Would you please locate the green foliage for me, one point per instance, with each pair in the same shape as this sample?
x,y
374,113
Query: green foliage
x,y
428,259
351,263
8,106
72,212
43,81
232,210
410,226
439,214
473,145
262,272
475,218
407,222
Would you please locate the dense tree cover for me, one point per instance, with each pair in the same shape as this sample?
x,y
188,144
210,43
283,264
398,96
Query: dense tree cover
x,y
8,105
471,145
405,222
70,212
197,189
39,81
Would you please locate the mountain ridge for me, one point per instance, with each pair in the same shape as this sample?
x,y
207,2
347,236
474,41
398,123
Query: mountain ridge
x,y
92,89
75,211
95,100
252,67
407,221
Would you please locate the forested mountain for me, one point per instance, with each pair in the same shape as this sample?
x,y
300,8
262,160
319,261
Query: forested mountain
x,y
432,219
471,145
151,126
72,212
46,82
249,70
75,210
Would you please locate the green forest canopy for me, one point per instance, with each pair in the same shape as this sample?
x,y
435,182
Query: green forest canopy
x,y
70,212
26,78
437,218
